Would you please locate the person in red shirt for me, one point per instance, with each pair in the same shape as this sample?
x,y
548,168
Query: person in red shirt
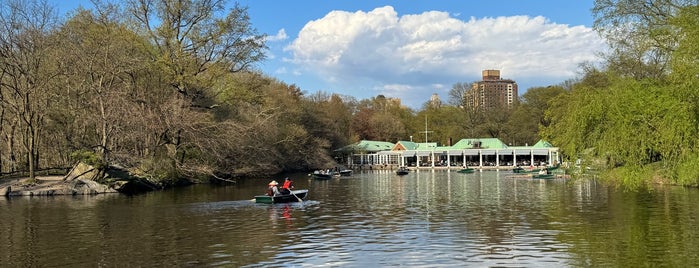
x,y
287,186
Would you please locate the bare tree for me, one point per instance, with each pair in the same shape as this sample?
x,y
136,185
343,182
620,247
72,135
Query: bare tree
x,y
193,41
457,93
27,70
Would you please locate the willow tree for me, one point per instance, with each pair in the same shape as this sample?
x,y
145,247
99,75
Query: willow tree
x,y
632,131
685,83
26,70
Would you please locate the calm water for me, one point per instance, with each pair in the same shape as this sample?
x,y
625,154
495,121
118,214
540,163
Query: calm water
x,y
424,219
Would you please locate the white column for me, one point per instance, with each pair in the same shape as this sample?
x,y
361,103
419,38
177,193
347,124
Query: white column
x,y
448,160
497,158
480,158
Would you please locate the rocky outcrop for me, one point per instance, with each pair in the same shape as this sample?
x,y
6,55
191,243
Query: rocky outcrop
x,y
5,191
83,179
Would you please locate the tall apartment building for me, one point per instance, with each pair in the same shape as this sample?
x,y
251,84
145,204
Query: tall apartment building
x,y
491,92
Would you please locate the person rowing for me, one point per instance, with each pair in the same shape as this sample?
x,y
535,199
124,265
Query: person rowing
x,y
287,186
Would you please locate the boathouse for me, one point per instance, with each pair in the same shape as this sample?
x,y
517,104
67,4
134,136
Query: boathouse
x,y
481,152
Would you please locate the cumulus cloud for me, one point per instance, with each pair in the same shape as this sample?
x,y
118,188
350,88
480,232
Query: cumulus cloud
x,y
420,50
280,36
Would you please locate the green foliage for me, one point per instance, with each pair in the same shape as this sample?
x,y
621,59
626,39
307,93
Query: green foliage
x,y
629,124
639,33
641,126
688,170
89,157
630,178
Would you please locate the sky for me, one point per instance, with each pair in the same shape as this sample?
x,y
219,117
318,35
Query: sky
x,y
412,49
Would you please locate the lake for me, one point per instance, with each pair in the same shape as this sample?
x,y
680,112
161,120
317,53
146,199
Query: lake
x,y
429,218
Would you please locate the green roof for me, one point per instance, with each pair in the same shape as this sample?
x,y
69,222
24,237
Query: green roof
x,y
485,143
409,145
426,146
542,144
367,146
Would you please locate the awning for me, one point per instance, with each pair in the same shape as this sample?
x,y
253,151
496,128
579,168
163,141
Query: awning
x,y
424,153
470,152
408,153
540,152
523,151
505,151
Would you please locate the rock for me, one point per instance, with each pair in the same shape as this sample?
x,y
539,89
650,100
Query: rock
x,y
6,191
88,187
82,171
82,179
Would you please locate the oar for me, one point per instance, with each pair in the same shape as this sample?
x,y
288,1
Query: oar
x,y
292,193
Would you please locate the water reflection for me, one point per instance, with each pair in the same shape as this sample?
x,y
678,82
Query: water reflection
x,y
426,218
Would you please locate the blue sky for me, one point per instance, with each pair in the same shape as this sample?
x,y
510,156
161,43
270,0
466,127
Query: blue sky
x,y
413,49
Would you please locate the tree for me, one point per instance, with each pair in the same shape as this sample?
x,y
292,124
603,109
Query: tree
x,y
685,82
190,38
457,94
26,70
639,33
104,56
192,45
380,118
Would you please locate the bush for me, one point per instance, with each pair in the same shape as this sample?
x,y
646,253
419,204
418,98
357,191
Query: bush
x,y
90,158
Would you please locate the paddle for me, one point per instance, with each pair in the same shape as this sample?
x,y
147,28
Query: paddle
x,y
292,193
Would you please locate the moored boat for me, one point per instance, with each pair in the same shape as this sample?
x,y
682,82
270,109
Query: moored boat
x,y
293,196
543,176
402,171
533,170
466,170
322,175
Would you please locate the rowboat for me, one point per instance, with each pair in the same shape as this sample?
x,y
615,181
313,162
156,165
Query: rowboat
x,y
466,170
322,175
533,170
402,171
293,196
543,176
346,172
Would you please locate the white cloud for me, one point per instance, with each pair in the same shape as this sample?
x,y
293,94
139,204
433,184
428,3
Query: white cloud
x,y
280,36
434,48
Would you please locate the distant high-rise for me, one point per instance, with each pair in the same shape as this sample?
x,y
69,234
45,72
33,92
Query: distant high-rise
x,y
491,92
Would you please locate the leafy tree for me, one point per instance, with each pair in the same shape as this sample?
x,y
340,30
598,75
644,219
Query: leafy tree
x,y
685,82
523,125
103,55
380,119
639,33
